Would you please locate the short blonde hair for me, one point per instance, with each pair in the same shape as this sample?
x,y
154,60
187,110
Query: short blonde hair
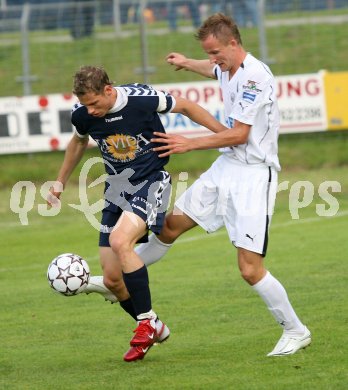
x,y
221,27
90,79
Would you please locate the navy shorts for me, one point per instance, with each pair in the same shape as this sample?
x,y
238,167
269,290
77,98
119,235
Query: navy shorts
x,y
148,199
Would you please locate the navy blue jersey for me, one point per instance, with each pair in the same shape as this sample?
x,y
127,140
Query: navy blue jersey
x,y
123,136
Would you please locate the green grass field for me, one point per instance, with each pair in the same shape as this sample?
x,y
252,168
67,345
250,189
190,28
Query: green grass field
x,y
221,330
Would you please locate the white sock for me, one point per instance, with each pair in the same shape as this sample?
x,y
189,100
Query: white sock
x,y
277,301
150,315
152,251
154,320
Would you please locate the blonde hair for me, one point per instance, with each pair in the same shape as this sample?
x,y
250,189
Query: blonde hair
x,y
90,79
222,27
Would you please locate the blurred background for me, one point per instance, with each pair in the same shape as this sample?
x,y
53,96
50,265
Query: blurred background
x,y
43,42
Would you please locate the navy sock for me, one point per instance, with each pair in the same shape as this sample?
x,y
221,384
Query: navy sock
x,y
128,307
137,283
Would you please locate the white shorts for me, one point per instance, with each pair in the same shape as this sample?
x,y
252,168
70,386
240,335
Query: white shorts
x,y
236,195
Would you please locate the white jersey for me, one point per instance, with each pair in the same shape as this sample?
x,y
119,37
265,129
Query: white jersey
x,y
250,97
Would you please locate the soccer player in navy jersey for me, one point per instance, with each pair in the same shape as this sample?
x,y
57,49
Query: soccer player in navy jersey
x,y
122,121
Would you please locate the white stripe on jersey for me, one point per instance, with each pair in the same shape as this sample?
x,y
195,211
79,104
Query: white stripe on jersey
x,y
162,102
137,90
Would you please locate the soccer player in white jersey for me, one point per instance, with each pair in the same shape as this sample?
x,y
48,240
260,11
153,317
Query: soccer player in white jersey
x,y
239,189
122,121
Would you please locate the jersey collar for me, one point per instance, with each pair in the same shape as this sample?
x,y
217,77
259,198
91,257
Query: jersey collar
x,y
121,101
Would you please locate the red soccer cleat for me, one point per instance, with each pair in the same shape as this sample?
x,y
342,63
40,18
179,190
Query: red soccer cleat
x,y
146,335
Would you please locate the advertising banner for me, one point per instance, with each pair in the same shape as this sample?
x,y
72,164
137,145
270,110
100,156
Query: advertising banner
x,y
301,100
42,123
336,94
35,123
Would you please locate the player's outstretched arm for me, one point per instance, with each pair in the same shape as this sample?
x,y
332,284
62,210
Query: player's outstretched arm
x,y
72,157
202,67
174,143
197,114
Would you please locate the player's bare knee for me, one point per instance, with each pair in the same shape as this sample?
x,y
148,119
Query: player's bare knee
x,y
251,266
109,282
249,274
168,233
114,283
119,245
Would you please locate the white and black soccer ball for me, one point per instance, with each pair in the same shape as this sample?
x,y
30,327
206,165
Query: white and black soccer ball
x,y
68,274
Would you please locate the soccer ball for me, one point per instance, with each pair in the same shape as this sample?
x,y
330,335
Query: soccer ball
x,y
68,274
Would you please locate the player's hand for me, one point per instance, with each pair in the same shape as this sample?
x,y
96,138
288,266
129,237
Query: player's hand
x,y
174,143
176,59
53,196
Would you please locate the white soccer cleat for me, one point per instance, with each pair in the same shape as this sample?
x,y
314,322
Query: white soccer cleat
x,y
96,285
290,344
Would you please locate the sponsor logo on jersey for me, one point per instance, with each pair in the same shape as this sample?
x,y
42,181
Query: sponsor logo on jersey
x,y
122,147
249,97
116,118
251,86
